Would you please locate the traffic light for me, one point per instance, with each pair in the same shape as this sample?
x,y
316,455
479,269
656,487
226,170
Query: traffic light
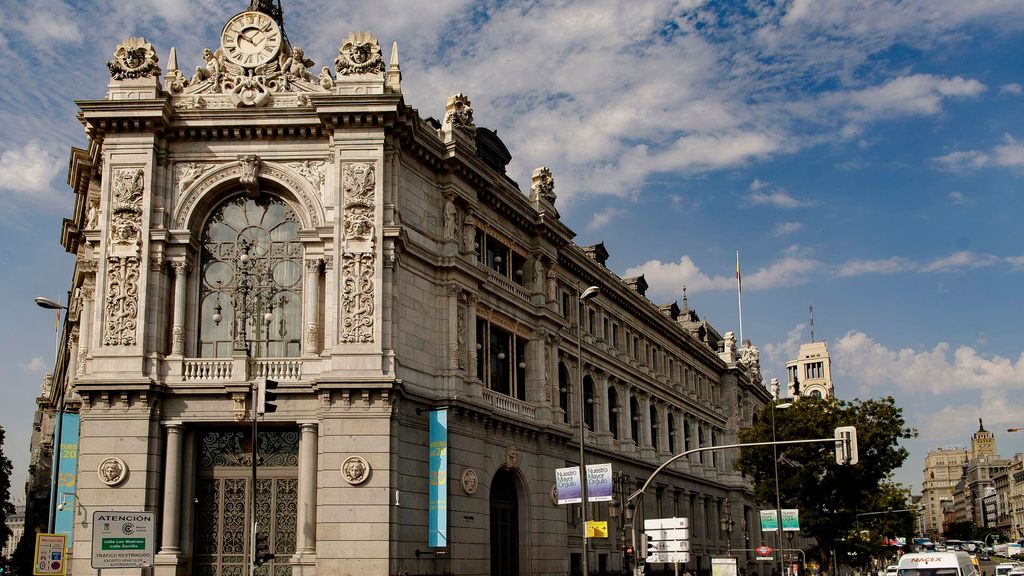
x,y
627,553
262,554
644,544
846,445
265,395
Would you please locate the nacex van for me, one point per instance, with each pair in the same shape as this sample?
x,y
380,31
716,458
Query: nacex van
x,y
937,564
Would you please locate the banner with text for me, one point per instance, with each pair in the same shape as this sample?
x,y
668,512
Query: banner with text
x,y
769,521
599,484
64,520
790,520
438,497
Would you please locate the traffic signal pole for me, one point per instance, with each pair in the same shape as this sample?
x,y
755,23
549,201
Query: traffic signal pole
x,y
252,489
846,453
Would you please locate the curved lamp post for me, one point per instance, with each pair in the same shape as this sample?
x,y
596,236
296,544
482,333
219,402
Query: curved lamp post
x,y
778,498
58,377
587,294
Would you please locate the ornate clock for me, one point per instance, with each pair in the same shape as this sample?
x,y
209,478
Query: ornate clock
x,y
251,39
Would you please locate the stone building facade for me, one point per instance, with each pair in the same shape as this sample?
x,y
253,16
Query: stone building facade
x,y
259,219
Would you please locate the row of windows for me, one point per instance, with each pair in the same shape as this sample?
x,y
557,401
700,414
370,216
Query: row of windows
x,y
641,350
635,419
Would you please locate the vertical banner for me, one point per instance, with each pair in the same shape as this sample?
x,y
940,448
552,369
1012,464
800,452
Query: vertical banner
x,y
64,521
769,521
438,520
599,482
567,485
790,519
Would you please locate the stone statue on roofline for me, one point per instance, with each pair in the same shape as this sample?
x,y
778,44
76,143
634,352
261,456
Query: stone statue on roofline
x,y
134,58
360,53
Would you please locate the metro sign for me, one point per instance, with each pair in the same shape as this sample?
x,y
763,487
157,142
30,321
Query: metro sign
x,y
764,550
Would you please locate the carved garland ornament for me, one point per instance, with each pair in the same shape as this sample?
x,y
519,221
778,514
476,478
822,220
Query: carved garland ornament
x,y
122,294
358,263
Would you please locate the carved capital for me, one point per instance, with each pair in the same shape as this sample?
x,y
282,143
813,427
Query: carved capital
x,y
181,268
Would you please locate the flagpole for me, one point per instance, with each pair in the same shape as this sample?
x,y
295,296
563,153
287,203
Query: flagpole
x,y
739,294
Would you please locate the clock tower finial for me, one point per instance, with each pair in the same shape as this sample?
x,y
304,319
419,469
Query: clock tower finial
x,y
271,8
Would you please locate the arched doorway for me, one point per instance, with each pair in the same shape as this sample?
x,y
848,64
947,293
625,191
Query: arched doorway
x,y
504,525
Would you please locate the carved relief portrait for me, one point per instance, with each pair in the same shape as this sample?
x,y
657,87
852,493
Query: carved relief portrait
x,y
112,471
470,481
355,470
134,58
359,54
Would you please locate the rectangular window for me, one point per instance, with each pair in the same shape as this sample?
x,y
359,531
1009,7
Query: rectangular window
x,y
565,305
501,360
591,320
604,329
615,336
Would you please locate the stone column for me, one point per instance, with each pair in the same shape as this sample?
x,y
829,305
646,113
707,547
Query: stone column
x,y
625,408
313,305
168,559
181,270
85,326
304,560
471,341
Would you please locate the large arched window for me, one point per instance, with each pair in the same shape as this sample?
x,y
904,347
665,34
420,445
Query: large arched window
x,y
654,426
671,433
634,419
251,262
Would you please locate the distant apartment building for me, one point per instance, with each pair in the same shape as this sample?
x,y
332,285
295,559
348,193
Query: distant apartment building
x,y
942,471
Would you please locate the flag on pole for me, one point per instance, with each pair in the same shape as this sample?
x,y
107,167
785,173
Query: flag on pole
x,y
739,281
56,323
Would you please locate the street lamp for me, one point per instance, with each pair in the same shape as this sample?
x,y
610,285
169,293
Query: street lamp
x,y
58,377
778,498
587,294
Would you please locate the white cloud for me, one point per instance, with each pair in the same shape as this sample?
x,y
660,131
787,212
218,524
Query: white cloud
x,y
960,260
27,172
35,365
883,266
1012,88
47,22
1017,262
783,229
1009,154
667,278
761,193
917,94
960,199
778,353
876,368
602,218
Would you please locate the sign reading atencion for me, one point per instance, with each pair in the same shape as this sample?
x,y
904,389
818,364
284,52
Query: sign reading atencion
x,y
122,539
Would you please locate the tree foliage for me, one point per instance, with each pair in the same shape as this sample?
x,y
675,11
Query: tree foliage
x,y
6,507
833,499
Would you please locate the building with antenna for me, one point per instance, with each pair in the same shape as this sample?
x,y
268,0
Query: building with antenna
x,y
811,373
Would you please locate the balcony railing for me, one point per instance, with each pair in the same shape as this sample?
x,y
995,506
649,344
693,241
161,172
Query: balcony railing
x,y
509,405
220,369
206,369
507,284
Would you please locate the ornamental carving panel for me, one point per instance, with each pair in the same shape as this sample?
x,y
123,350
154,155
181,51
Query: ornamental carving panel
x,y
357,298
126,211
360,183
122,303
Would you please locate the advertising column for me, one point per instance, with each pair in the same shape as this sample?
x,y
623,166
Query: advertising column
x,y
64,521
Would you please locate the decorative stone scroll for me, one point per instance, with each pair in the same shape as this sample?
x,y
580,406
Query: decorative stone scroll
x,y
188,172
543,186
250,165
357,297
122,302
358,262
360,53
134,58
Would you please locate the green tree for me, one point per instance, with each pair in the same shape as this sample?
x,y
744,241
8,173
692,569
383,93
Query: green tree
x,y
6,507
832,498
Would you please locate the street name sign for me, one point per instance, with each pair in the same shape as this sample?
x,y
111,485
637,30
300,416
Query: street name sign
x,y
668,546
669,558
665,524
669,534
122,539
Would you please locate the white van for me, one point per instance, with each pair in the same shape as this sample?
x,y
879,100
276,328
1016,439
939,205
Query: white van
x,y
937,564
1004,568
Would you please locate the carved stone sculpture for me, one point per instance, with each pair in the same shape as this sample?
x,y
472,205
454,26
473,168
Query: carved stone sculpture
x,y
250,164
209,71
296,65
134,58
355,470
112,471
450,218
325,78
543,185
458,113
360,53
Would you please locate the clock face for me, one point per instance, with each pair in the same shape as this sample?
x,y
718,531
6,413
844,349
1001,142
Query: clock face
x,y
251,39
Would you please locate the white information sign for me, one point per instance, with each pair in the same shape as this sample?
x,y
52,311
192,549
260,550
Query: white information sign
x,y
122,539
665,523
668,546
669,558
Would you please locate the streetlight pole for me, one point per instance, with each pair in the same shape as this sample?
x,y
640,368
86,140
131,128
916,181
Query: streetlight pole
x,y
778,497
57,382
587,294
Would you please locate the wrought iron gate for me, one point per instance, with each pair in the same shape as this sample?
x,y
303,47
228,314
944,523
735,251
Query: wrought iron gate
x,y
223,522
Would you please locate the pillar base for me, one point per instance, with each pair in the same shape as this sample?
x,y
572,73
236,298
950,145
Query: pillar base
x,y
167,563
303,564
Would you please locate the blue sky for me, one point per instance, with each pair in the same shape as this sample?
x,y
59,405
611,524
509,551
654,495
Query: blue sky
x,y
865,157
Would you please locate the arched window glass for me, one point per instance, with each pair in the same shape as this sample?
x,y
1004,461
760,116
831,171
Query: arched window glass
x,y
254,301
588,402
613,412
634,419
671,433
654,427
563,391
